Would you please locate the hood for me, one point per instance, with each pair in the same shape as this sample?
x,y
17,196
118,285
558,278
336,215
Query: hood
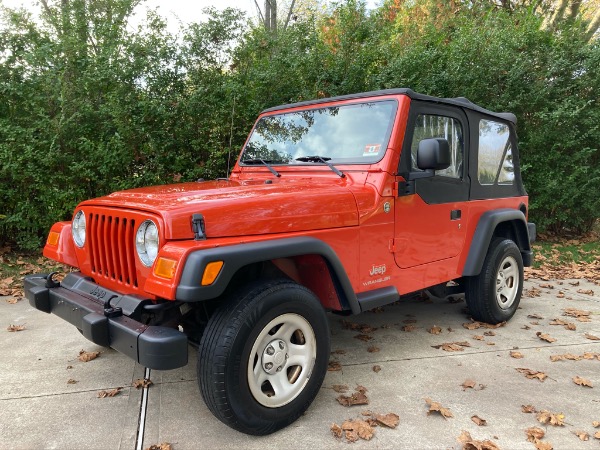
x,y
233,208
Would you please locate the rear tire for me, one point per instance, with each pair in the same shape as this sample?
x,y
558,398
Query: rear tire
x,y
263,356
493,296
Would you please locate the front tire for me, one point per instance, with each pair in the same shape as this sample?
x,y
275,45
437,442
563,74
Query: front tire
x,y
263,356
493,296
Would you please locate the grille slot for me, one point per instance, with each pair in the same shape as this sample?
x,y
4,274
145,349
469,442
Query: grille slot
x,y
111,244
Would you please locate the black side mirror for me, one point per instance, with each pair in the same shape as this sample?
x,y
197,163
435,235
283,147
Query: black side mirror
x,y
433,154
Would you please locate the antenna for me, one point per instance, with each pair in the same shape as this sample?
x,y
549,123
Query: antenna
x,y
230,137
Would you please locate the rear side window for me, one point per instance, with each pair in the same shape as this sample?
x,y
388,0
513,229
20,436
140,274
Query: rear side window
x,y
495,159
434,126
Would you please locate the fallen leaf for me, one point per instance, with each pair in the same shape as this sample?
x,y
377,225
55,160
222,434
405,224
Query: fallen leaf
x,y
357,398
111,393
479,421
434,330
582,381
468,384
449,347
471,325
535,316
163,446
534,433
69,367
532,374
526,327
340,388
597,435
336,430
437,407
568,356
478,337
596,423
582,435
142,383
357,429
363,337
334,366
577,313
546,417
585,291
88,356
376,368
13,328
71,381
489,333
516,355
528,409
373,349
491,343
408,328
390,420
473,444
545,337
591,337
568,325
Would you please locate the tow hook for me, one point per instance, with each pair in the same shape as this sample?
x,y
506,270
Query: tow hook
x,y
50,283
110,311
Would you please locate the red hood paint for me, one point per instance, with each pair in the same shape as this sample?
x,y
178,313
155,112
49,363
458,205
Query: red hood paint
x,y
242,208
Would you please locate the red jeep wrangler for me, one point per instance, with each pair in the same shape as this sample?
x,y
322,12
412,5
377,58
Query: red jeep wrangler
x,y
341,204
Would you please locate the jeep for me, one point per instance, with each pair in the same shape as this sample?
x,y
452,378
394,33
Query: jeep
x,y
336,205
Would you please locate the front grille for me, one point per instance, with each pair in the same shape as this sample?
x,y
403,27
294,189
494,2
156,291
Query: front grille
x,y
112,252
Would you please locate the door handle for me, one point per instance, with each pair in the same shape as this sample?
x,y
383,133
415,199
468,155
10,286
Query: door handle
x,y
455,214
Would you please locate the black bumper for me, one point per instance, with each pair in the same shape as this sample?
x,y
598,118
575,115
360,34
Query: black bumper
x,y
154,347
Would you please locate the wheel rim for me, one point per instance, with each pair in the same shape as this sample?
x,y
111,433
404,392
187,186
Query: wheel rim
x,y
281,360
507,282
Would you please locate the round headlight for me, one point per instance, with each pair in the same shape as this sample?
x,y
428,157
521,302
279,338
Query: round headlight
x,y
146,242
78,229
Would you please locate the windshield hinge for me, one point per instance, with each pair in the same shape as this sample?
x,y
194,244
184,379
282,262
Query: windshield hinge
x,y
198,227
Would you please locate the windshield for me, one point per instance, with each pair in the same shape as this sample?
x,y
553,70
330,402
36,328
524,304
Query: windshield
x,y
349,134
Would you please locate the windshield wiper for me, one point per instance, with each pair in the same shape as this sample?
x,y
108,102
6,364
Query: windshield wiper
x,y
321,159
264,163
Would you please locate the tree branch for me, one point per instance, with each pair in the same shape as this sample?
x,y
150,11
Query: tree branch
x,y
287,20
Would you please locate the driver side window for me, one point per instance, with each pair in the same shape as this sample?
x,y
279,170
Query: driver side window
x,y
434,126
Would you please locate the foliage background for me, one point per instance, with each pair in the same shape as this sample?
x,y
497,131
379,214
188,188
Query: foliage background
x,y
90,105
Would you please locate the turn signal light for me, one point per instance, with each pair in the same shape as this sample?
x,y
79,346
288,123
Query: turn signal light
x,y
211,272
165,267
53,237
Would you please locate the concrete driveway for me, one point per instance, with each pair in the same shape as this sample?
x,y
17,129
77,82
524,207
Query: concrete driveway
x,y
39,408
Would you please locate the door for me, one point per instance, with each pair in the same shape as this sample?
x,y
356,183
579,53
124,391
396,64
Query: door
x,y
430,212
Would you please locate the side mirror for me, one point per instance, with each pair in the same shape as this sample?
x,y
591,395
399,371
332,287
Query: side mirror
x,y
433,154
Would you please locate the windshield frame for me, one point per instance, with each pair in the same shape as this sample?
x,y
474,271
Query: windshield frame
x,y
384,144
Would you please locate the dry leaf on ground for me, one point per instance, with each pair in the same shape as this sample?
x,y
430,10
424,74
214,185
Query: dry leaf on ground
x,y
373,349
582,435
437,407
434,330
534,433
597,435
390,420
535,316
71,381
489,333
591,337
453,346
473,444
596,423
334,366
568,325
585,291
357,428
568,356
142,383
376,368
582,381
546,417
579,314
468,384
357,398
363,337
163,446
545,337
340,388
87,356
528,409
408,328
516,355
478,337
479,421
532,374
111,393
336,430
13,328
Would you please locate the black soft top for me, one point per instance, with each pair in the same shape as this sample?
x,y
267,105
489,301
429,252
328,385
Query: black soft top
x,y
458,101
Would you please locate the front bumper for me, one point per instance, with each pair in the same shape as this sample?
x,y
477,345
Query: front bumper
x,y
80,301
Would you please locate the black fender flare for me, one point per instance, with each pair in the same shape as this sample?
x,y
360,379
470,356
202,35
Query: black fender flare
x,y
485,231
235,257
